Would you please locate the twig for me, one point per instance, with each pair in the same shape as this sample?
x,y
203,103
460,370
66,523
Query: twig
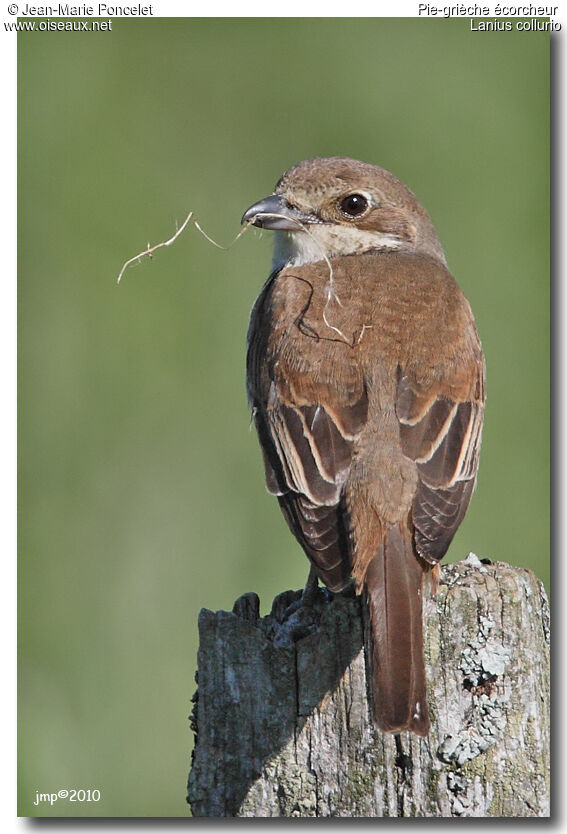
x,y
151,249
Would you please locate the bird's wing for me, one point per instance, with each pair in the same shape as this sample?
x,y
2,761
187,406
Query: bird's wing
x,y
306,429
440,429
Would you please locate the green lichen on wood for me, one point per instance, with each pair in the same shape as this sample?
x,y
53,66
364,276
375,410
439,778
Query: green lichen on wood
x,y
360,784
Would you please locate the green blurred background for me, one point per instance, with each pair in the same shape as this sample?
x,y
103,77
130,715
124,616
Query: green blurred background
x,y
141,492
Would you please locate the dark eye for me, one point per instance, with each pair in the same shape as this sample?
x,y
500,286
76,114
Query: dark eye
x,y
354,205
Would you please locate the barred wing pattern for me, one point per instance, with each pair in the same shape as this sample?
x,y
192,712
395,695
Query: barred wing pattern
x,y
442,435
307,454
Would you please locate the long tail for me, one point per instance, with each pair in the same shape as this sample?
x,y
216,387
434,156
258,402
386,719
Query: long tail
x,y
393,587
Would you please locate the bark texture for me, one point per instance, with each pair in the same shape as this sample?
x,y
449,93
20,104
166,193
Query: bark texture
x,y
283,723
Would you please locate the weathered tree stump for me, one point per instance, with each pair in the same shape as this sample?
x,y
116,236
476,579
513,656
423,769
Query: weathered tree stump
x,y
283,728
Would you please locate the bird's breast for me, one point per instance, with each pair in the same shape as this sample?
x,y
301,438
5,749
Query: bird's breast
x,y
340,308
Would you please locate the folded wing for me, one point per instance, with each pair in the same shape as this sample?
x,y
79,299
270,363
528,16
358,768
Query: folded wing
x,y
307,454
306,429
441,432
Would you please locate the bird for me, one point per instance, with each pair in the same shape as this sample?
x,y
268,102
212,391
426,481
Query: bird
x,y
366,382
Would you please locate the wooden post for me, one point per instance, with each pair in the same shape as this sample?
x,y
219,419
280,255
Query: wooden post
x,y
283,725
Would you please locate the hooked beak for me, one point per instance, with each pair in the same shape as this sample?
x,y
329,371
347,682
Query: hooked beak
x,y
262,214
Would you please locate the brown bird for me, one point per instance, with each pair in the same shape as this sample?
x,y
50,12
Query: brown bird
x,y
366,381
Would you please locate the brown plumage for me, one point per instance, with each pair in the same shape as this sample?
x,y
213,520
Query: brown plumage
x,y
366,380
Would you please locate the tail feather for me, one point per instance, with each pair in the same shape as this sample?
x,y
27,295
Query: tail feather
x,y
393,586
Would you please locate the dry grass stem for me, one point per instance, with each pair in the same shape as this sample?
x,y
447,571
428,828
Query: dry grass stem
x,y
330,289
148,252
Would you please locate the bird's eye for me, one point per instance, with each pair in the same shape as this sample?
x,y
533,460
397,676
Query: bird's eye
x,y
354,205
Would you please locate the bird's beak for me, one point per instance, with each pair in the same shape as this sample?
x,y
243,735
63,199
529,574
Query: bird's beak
x,y
274,213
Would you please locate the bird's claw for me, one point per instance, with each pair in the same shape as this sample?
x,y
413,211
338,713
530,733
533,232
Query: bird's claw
x,y
296,615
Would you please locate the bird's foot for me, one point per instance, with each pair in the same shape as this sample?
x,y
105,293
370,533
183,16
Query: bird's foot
x,y
296,614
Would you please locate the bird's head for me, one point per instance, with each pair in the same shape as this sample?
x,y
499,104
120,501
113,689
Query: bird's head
x,y
326,207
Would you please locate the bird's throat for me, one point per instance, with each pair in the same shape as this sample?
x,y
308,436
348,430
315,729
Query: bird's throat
x,y
326,241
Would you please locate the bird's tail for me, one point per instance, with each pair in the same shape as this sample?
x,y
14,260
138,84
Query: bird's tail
x,y
393,590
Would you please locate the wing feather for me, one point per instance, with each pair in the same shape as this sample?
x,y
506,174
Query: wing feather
x,y
306,430
442,435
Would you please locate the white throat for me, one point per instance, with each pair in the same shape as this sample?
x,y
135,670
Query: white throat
x,y
298,248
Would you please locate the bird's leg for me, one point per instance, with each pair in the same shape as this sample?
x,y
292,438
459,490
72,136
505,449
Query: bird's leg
x,y
311,590
308,598
300,617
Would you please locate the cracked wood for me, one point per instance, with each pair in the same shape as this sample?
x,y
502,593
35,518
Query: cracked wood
x,y
283,725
